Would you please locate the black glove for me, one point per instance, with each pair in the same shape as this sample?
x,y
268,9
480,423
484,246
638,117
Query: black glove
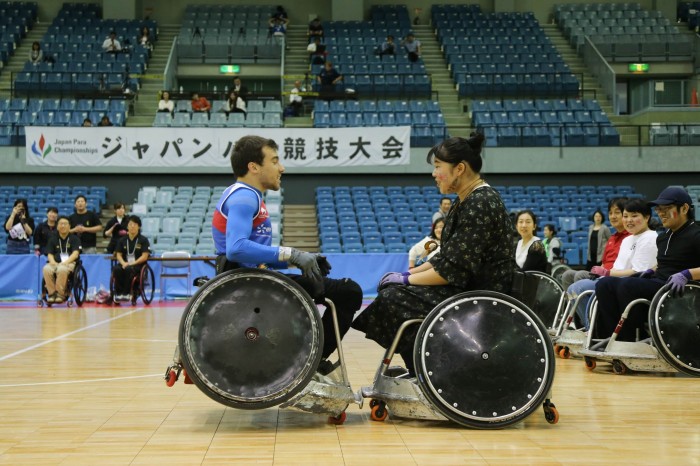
x,y
323,265
306,261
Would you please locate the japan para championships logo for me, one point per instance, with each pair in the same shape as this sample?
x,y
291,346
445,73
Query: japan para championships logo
x,y
40,151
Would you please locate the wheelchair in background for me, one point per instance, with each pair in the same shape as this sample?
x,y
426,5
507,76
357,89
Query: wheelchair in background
x,y
142,285
76,288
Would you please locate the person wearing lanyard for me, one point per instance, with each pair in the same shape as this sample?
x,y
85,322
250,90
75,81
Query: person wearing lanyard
x,y
132,253
63,251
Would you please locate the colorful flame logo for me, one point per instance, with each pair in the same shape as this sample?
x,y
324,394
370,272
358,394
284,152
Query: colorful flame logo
x,y
40,152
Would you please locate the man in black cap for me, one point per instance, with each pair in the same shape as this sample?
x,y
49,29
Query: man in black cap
x,y
678,260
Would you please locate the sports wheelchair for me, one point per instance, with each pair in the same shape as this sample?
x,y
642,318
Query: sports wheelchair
x,y
142,285
76,287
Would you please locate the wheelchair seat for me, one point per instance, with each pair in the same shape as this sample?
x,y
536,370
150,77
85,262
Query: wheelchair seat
x,y
76,287
142,285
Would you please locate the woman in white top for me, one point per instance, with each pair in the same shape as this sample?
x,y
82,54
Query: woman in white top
x,y
165,104
529,253
234,103
637,253
419,253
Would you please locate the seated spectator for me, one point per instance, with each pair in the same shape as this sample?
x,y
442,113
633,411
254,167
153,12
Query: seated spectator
x,y
116,226
329,77
145,38
296,103
278,26
412,47
36,55
388,47
165,104
445,205
45,230
612,247
317,52
677,260
111,44
315,28
637,253
19,226
234,104
105,121
552,244
87,122
240,88
132,252
63,250
529,253
200,104
426,248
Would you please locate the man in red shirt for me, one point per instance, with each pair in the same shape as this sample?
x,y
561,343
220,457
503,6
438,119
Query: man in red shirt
x,y
200,104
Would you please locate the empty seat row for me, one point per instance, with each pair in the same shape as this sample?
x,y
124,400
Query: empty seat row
x,y
537,118
58,118
529,105
233,120
554,84
66,104
552,136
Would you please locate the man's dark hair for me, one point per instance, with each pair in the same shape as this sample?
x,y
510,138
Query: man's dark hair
x,y
249,149
136,219
78,197
51,209
61,217
618,202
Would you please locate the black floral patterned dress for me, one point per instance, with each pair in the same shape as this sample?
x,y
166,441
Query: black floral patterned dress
x,y
476,253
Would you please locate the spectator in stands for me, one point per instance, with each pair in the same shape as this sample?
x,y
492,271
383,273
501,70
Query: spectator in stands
x,y
36,55
165,104
445,205
426,248
388,47
87,122
105,121
278,26
280,13
85,223
116,226
240,88
412,47
19,226
241,230
111,44
612,248
63,251
476,250
598,235
234,104
329,77
132,252
145,38
677,262
315,29
552,244
296,103
200,104
637,253
317,52
529,253
45,230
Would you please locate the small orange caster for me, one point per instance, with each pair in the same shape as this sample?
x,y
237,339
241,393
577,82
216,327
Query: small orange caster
x,y
550,412
337,420
590,363
379,412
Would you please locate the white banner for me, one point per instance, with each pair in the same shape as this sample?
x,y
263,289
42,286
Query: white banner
x,y
56,146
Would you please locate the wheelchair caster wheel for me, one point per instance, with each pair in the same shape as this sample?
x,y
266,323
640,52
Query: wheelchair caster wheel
x,y
590,363
171,379
379,412
337,420
619,368
564,353
550,412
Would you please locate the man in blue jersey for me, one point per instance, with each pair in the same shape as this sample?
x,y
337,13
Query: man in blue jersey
x,y
243,236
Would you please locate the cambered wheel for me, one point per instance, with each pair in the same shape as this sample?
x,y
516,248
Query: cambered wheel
x,y
590,363
80,285
147,281
337,420
379,412
619,368
172,378
112,288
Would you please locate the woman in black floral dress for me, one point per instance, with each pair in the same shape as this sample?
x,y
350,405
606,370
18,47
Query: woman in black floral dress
x,y
476,251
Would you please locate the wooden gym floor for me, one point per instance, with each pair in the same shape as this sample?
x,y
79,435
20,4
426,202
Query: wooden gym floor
x,y
85,386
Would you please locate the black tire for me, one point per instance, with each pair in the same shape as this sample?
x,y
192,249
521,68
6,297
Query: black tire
x,y
251,338
506,360
147,284
80,285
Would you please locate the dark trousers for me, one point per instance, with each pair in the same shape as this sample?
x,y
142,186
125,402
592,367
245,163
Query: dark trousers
x,y
124,277
347,297
614,294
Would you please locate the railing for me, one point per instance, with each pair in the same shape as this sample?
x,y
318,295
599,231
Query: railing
x,y
170,71
600,68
